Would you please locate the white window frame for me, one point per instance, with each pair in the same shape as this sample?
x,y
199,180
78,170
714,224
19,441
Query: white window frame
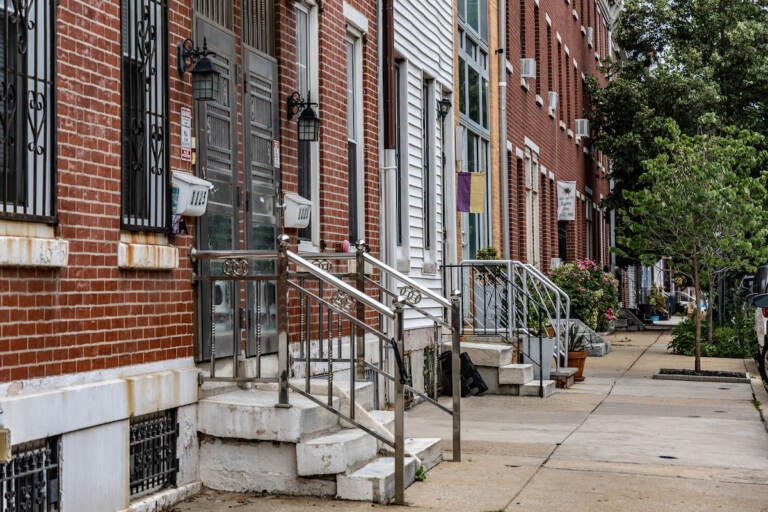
x,y
355,37
429,168
311,9
532,206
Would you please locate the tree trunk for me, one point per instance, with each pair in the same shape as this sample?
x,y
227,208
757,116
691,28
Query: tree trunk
x,y
697,313
710,316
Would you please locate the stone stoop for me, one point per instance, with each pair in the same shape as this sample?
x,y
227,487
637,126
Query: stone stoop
x,y
375,481
249,445
494,362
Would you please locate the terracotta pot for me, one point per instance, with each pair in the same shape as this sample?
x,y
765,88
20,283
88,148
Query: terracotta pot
x,y
577,360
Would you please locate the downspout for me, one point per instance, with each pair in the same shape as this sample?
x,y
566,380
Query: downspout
x,y
502,56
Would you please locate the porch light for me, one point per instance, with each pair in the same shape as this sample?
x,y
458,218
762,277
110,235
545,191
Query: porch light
x,y
205,78
308,124
443,107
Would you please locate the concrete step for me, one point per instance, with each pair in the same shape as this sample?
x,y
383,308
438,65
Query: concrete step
x,y
564,377
486,354
427,449
375,481
335,453
385,418
251,414
532,388
516,373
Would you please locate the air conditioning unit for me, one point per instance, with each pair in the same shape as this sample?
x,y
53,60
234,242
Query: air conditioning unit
x,y
590,35
528,68
582,128
552,101
555,262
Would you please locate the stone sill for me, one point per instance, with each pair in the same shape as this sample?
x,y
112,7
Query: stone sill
x,y
132,256
27,251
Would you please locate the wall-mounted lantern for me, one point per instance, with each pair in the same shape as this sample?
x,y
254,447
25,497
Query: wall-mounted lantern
x,y
308,122
205,78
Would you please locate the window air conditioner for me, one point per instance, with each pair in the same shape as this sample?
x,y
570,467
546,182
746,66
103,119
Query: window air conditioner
x,y
552,101
582,128
590,35
528,68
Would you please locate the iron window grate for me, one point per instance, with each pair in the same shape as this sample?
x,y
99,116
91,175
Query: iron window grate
x,y
30,481
153,452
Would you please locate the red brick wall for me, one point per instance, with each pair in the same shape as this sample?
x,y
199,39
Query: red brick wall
x,y
334,212
526,118
90,314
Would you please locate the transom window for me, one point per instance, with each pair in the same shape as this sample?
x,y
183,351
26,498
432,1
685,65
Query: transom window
x,y
27,112
145,190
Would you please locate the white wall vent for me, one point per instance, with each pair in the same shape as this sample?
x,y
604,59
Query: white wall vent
x,y
582,128
528,68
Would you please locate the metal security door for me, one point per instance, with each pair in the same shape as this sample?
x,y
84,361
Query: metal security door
x,y
260,115
218,228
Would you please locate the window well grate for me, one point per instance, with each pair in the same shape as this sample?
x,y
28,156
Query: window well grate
x,y
30,481
153,452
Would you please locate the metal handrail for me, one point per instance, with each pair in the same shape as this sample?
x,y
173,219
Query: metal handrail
x,y
341,285
259,254
406,280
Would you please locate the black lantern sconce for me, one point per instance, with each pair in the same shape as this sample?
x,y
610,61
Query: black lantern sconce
x,y
205,78
443,107
308,122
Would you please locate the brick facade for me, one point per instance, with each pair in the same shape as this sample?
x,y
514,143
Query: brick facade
x,y
562,27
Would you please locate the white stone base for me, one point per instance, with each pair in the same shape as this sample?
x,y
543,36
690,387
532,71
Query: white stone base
x,y
375,481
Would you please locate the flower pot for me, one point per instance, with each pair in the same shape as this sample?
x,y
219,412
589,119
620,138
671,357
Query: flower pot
x,y
654,318
577,360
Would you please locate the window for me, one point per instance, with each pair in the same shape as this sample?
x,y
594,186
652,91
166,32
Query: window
x,y
589,230
27,111
401,178
145,190
152,452
30,480
532,207
428,114
354,137
537,47
306,85
550,72
474,116
561,96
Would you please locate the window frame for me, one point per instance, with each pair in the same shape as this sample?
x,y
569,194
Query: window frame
x,y
309,238
356,207
150,212
34,160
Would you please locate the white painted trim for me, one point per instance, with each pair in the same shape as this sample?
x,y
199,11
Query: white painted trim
x,y
510,147
529,143
559,37
519,153
355,18
551,176
548,19
77,407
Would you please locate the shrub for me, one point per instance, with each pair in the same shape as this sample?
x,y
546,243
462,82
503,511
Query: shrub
x,y
594,294
732,340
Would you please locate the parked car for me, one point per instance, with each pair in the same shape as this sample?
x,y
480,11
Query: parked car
x,y
759,298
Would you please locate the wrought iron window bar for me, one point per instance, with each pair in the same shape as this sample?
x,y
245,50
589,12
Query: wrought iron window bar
x,y
30,481
153,462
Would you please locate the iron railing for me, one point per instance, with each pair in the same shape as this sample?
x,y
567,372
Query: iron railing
x,y
323,323
513,301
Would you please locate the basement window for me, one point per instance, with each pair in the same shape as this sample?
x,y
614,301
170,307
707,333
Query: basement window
x,y
30,481
154,464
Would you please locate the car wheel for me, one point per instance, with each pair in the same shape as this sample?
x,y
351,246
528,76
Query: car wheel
x,y
762,363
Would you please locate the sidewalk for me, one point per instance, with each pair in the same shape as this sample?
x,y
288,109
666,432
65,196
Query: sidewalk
x,y
618,441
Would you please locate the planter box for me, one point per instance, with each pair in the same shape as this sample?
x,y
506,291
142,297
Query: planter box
x,y
531,355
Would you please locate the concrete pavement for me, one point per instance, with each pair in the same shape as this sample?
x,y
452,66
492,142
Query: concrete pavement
x,y
618,441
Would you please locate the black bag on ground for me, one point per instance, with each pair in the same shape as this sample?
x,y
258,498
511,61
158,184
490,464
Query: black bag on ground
x,y
471,381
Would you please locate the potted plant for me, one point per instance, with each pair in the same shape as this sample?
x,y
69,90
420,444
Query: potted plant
x,y
657,302
577,351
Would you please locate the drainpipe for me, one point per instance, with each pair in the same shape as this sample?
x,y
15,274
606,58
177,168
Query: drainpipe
x,y
502,56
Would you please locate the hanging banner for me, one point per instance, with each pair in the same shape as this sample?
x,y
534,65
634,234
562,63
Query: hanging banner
x,y
463,191
566,200
470,192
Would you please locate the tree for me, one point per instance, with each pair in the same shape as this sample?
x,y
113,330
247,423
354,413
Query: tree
x,y
683,59
700,205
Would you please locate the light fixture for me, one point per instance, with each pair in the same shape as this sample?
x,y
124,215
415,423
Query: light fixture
x,y
205,78
308,123
443,107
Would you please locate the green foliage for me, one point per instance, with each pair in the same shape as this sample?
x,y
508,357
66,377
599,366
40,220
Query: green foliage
x,y
487,253
736,340
656,300
577,342
420,474
594,294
